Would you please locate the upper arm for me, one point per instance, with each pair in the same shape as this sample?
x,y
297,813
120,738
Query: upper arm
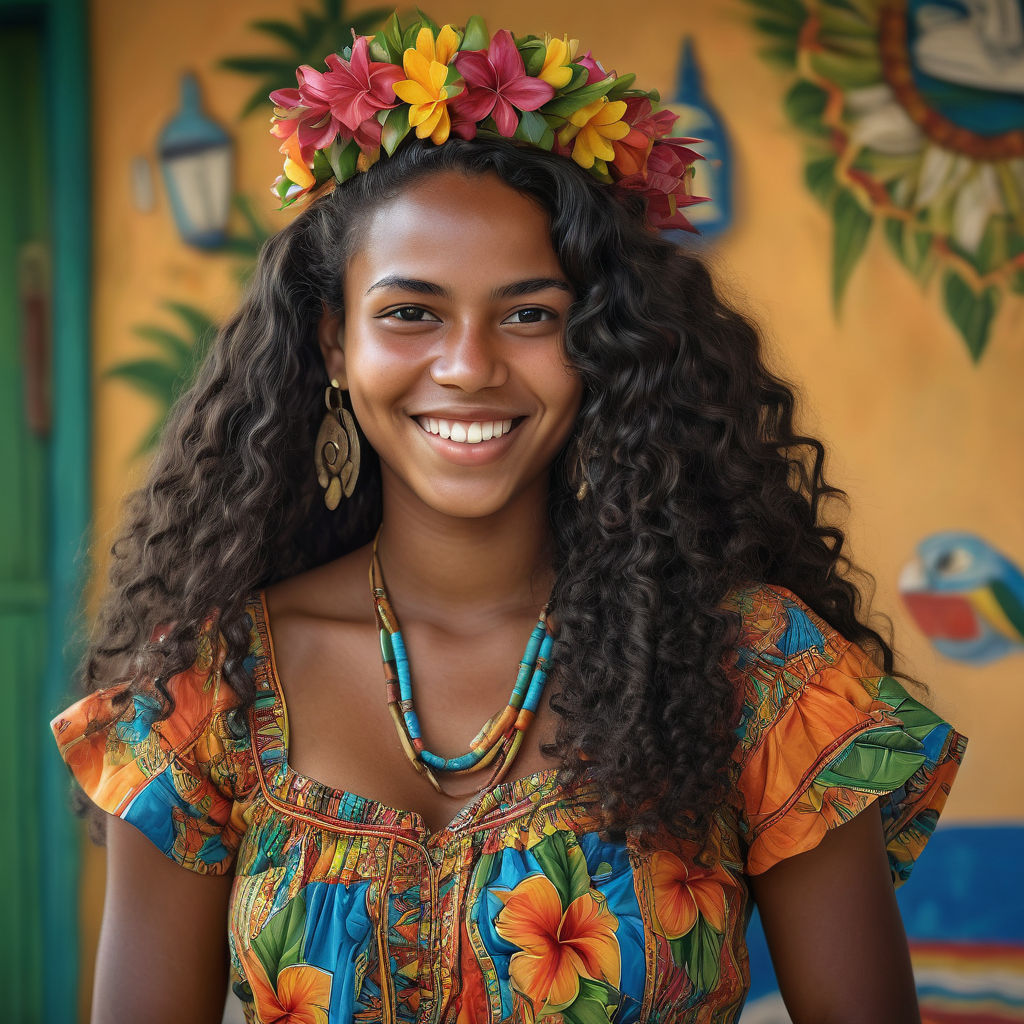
x,y
163,946
834,930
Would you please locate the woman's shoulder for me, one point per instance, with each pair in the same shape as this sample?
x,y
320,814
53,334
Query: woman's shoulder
x,y
823,732
190,694
787,662
171,756
775,626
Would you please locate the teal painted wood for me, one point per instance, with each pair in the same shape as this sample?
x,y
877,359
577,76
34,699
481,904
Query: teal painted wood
x,y
70,475
63,29
23,554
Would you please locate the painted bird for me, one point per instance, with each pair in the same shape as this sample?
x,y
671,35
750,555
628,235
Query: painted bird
x,y
966,597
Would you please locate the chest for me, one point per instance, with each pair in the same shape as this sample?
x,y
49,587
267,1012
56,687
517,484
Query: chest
x,y
517,912
341,731
517,909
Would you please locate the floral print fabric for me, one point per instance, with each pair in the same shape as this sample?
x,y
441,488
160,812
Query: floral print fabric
x,y
344,909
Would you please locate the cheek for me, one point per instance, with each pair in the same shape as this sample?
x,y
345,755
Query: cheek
x,y
566,387
377,372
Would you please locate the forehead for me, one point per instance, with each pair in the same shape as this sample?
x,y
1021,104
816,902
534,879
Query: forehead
x,y
455,229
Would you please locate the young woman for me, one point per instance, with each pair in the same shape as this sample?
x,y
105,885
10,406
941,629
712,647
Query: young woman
x,y
543,429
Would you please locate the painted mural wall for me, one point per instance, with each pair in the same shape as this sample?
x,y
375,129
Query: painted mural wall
x,y
868,194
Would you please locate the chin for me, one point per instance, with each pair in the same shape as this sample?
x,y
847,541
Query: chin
x,y
478,499
467,508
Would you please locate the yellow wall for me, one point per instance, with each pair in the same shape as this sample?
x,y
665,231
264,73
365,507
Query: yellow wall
x,y
922,440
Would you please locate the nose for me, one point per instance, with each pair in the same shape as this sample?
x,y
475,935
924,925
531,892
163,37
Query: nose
x,y
469,358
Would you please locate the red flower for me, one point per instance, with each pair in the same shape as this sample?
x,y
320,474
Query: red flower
x,y
357,90
665,183
645,127
496,83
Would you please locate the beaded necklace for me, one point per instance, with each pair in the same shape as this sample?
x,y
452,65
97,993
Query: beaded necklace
x,y
499,739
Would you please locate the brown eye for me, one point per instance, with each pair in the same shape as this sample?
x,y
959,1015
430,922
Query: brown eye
x,y
532,315
409,314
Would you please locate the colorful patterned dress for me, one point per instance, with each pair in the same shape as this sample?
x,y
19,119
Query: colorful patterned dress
x,y
344,909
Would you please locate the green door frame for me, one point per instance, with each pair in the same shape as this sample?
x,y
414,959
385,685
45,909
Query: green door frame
x,y
64,30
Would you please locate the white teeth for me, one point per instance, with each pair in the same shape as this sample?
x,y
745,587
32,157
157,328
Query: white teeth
x,y
465,433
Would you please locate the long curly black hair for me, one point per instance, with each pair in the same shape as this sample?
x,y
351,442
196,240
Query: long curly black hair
x,y
697,482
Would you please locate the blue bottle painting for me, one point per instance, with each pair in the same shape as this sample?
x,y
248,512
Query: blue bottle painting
x,y
699,118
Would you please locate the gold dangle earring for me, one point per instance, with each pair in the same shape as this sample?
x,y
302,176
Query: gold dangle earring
x,y
337,450
580,474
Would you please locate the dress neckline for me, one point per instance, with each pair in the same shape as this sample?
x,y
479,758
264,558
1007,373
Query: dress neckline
x,y
299,792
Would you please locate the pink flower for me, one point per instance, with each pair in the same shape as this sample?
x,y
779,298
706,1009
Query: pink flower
x,y
301,112
595,73
340,91
496,83
357,90
304,123
664,184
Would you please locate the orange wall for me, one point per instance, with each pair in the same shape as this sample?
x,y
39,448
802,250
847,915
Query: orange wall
x,y
921,439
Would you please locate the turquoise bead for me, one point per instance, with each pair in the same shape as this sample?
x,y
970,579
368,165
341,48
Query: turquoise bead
x,y
526,694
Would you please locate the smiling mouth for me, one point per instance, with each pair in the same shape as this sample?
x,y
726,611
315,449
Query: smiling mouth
x,y
468,431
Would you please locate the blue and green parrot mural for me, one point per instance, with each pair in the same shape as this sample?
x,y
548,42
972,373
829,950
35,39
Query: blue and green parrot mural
x,y
966,597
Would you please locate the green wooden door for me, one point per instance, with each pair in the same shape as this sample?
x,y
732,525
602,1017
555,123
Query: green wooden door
x,y
44,491
24,526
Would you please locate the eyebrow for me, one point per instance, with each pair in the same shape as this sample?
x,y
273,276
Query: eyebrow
x,y
509,291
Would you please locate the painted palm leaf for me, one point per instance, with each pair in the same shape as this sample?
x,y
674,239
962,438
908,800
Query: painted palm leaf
x,y
172,367
938,168
306,41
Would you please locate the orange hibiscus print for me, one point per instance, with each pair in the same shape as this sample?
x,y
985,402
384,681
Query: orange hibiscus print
x,y
557,947
302,996
680,894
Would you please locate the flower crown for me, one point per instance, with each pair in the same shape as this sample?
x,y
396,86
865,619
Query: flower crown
x,y
437,82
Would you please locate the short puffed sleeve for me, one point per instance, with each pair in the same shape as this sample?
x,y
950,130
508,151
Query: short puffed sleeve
x,y
182,779
824,733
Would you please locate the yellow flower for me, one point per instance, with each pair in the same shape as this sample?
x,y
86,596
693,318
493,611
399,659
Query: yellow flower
x,y
294,167
426,69
556,71
594,128
442,49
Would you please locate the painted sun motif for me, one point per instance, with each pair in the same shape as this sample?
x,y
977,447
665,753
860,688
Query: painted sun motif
x,y
914,111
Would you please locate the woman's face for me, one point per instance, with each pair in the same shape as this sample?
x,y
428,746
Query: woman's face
x,y
452,345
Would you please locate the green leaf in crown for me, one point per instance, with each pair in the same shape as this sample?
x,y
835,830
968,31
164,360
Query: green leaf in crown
x,y
438,82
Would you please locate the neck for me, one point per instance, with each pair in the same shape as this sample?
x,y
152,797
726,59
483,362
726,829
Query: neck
x,y
469,572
